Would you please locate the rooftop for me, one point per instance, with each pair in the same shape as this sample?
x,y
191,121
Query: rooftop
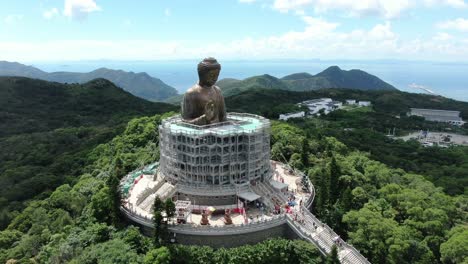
x,y
236,123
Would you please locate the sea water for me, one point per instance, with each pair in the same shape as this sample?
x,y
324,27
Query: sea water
x,y
443,78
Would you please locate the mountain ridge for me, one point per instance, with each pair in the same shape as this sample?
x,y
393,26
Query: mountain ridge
x,y
332,77
140,84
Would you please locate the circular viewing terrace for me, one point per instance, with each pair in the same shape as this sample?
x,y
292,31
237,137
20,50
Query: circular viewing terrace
x,y
252,222
226,189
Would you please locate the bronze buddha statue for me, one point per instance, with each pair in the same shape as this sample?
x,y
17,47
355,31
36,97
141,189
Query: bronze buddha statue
x,y
203,103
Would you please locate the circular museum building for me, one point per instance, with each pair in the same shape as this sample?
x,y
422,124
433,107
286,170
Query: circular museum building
x,y
217,159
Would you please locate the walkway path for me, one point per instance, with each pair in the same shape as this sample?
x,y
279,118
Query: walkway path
x,y
308,227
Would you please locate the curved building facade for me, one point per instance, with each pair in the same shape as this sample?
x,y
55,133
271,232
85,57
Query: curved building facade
x,y
228,153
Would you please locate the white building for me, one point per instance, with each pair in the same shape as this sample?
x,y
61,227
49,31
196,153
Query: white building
x,y
337,104
364,103
325,104
350,102
291,115
446,116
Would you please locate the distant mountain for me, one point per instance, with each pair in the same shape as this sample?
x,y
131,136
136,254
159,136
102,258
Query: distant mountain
x,y
230,86
227,81
354,79
262,81
139,84
332,77
18,69
297,76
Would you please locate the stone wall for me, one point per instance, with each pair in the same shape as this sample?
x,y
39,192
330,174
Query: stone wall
x,y
236,240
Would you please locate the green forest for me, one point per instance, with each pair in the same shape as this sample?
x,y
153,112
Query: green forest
x,y
366,130
47,129
395,201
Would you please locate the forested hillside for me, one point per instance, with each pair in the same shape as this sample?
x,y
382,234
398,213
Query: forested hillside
x,y
261,100
391,216
366,130
47,129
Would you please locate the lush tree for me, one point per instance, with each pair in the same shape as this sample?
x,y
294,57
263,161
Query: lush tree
x,y
114,196
455,249
136,239
160,255
103,205
296,161
169,208
158,228
332,258
322,189
305,151
158,205
335,174
266,252
114,251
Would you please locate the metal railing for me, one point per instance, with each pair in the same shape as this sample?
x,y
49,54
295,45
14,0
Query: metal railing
x,y
237,124
253,226
211,190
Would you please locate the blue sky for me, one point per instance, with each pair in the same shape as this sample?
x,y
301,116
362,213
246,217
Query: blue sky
x,y
57,30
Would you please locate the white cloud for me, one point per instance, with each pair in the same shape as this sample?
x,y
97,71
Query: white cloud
x,y
319,38
127,23
79,9
89,50
167,12
451,3
442,36
12,19
460,24
389,9
51,13
247,1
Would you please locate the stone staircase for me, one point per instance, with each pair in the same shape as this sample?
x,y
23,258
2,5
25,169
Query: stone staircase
x,y
320,234
164,190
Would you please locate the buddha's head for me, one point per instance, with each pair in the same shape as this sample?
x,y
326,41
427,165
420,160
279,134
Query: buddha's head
x,y
208,71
